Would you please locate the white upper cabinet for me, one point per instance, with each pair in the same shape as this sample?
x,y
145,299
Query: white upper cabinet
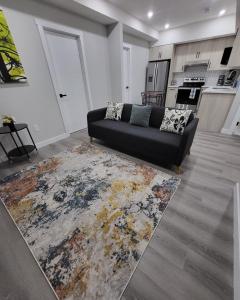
x,y
153,53
166,51
192,52
199,51
205,49
234,61
210,51
161,52
217,52
180,57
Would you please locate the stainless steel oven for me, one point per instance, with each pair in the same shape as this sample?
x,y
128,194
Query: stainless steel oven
x,y
189,93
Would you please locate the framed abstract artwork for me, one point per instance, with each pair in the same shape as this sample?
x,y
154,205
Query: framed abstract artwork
x,y
11,69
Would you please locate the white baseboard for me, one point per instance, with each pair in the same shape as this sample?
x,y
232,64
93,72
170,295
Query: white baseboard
x,y
226,131
52,140
236,237
42,143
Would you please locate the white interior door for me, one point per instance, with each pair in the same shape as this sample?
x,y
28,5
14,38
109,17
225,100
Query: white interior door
x,y
126,74
65,60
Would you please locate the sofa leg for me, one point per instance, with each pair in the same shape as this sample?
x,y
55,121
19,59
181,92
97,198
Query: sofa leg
x,y
178,170
91,139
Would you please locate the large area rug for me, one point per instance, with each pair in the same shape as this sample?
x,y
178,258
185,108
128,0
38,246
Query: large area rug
x,y
87,215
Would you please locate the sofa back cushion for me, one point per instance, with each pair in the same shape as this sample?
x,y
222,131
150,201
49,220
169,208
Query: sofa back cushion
x,y
191,117
126,112
156,116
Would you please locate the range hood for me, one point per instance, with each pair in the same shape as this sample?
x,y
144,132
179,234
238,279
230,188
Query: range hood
x,y
196,63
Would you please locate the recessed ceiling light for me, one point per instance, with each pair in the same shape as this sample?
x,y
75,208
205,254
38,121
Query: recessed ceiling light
x,y
150,14
166,26
222,12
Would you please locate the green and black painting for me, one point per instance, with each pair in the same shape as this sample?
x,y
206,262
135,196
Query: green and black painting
x,y
11,69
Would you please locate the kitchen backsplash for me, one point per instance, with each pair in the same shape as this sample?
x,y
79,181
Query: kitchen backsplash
x,y
199,71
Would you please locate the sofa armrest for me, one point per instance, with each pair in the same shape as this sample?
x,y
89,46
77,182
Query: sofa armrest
x,y
187,140
96,115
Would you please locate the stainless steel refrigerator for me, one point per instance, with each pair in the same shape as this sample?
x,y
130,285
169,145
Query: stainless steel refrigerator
x,y
157,76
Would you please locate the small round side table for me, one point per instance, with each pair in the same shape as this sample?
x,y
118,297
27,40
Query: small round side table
x,y
21,149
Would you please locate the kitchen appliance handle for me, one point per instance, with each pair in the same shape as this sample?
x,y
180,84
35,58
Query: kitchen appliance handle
x,y
189,88
156,76
154,71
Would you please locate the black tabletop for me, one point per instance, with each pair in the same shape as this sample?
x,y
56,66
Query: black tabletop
x,y
4,129
18,127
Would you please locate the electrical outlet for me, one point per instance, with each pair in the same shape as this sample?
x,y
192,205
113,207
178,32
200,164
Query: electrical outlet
x,y
36,127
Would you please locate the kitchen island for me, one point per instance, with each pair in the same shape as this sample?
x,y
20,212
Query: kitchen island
x,y
215,103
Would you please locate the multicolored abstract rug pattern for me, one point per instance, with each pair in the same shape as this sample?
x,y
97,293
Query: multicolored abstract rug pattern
x,y
87,215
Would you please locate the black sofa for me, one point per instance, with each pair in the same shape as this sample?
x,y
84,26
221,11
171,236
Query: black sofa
x,y
145,142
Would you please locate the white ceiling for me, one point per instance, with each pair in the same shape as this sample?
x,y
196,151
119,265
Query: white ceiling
x,y
175,12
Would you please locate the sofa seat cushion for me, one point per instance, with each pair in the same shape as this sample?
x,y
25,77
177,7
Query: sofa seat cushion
x,y
150,139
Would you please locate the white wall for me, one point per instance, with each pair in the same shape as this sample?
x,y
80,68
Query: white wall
x,y
236,237
35,102
225,25
233,116
115,42
238,15
107,9
98,67
139,60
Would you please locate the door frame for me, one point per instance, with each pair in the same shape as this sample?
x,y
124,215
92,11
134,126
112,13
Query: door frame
x,y
44,26
129,47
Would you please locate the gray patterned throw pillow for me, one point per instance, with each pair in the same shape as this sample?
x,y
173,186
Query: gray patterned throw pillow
x,y
175,120
114,111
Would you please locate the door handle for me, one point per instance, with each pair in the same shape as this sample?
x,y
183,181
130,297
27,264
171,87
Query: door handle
x,y
62,95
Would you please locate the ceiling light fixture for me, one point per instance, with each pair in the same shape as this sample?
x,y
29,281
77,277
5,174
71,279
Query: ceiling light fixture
x,y
166,26
222,12
150,14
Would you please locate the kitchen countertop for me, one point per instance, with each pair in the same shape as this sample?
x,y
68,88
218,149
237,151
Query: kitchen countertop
x,y
206,89
219,90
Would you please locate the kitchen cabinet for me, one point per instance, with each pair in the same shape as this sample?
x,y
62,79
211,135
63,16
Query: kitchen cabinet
x,y
192,52
180,57
166,52
161,52
213,111
210,51
205,49
171,97
153,53
198,51
217,52
234,61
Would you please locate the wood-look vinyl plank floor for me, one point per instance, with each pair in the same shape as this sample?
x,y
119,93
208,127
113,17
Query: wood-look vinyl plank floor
x,y
190,256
